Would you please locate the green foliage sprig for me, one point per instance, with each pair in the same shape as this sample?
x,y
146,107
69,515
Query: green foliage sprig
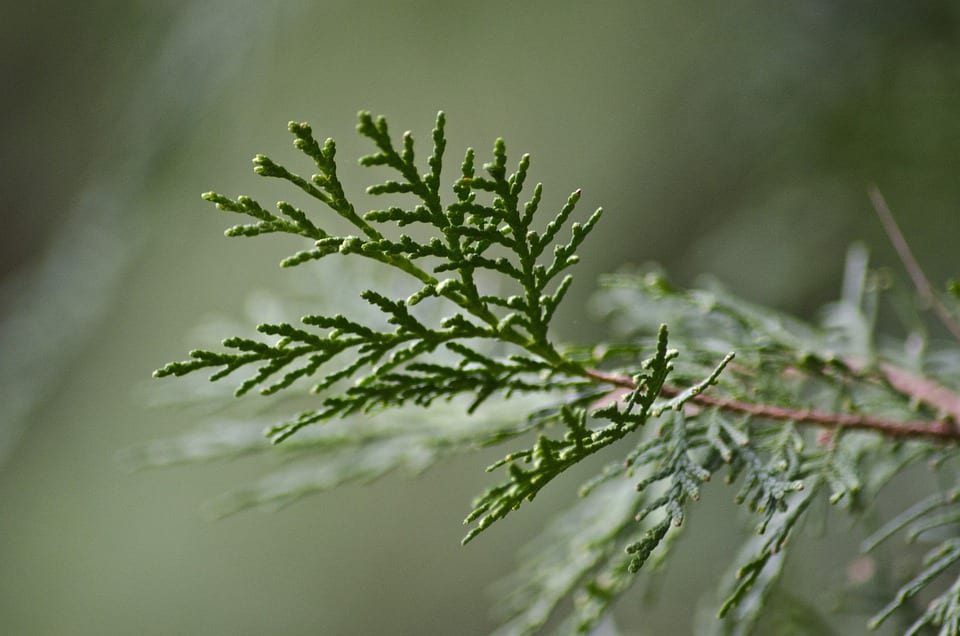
x,y
800,411
465,235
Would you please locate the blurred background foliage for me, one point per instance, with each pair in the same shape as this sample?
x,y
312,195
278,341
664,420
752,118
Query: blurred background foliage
x,y
735,139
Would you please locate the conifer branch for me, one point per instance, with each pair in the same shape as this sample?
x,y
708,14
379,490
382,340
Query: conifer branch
x,y
678,413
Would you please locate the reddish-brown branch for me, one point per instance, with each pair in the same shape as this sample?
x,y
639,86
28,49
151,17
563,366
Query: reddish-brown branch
x,y
916,387
939,430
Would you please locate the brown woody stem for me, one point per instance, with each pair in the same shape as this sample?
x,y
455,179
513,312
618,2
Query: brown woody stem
x,y
943,430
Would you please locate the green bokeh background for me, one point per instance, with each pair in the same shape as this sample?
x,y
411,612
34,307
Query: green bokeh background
x,y
733,138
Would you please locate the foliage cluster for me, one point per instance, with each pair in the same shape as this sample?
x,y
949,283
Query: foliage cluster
x,y
787,412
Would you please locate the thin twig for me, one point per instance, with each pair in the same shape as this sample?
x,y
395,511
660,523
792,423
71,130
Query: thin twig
x,y
940,430
943,430
910,263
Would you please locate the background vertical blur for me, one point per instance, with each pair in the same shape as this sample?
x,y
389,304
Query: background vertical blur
x,y
735,139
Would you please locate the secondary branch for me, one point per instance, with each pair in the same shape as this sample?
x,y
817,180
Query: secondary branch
x,y
943,430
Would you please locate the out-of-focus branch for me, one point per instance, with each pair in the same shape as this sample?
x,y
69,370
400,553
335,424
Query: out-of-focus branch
x,y
910,263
